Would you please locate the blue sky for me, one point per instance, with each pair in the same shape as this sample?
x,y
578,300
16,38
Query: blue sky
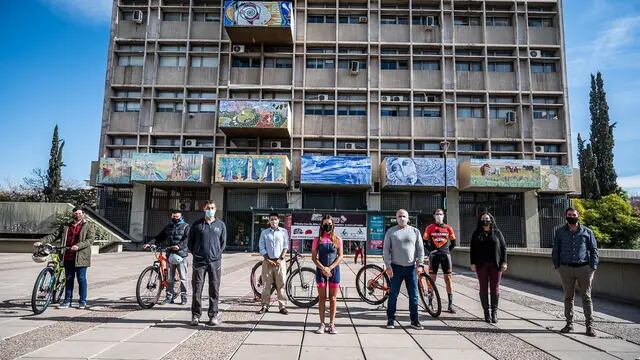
x,y
54,61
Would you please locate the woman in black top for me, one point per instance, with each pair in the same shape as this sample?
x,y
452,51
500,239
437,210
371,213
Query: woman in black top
x,y
488,261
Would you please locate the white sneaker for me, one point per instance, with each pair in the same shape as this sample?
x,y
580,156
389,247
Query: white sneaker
x,y
320,329
332,329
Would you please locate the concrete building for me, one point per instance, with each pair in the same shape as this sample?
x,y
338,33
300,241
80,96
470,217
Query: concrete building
x,y
341,105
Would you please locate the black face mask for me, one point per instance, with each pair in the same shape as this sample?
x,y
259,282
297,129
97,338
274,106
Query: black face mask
x,y
175,221
485,222
327,227
572,220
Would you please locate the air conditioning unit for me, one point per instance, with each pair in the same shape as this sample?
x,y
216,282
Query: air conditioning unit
x,y
237,49
396,98
350,146
363,19
511,118
323,97
535,53
276,144
539,149
432,98
190,142
138,16
355,67
385,98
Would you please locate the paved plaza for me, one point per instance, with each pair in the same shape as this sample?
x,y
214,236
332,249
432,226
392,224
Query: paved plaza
x,y
114,327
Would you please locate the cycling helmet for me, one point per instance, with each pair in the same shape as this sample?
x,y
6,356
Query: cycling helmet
x,y
41,254
175,259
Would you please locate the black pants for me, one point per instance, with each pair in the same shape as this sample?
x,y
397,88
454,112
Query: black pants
x,y
214,272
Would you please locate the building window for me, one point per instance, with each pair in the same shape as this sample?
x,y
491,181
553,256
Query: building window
x,y
170,94
394,65
127,94
175,16
127,106
173,48
467,21
470,98
470,147
131,47
129,60
206,17
394,20
426,65
469,66
321,19
351,19
202,95
326,110
506,157
395,145
242,62
202,107
549,160
501,99
131,141
548,53
129,15
426,20
540,22
543,67
352,110
504,147
169,107
470,112
318,144
498,21
551,148
427,111
499,52
321,63
204,61
352,97
173,61
545,100
469,52
122,153
393,51
278,63
433,146
545,114
499,113
395,111
204,48
321,50
346,64
353,50
500,67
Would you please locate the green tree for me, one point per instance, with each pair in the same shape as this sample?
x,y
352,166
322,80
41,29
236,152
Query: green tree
x,y
54,172
612,220
588,178
601,137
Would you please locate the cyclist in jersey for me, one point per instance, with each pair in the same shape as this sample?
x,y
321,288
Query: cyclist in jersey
x,y
439,239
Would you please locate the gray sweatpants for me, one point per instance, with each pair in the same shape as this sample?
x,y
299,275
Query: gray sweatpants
x,y
583,275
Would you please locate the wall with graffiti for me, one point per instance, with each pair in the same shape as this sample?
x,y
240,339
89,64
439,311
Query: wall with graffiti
x,y
557,178
113,171
167,167
252,169
254,114
495,173
258,13
338,170
404,171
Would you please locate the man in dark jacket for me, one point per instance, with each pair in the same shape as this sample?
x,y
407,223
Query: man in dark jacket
x,y
174,237
207,240
78,235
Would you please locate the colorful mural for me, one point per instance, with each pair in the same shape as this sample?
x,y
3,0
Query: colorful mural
x,y
257,13
113,171
557,178
254,114
404,171
339,170
252,169
497,173
167,167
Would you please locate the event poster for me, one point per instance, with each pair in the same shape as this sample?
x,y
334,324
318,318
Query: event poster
x,y
376,235
350,227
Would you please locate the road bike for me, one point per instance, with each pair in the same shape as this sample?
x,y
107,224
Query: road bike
x,y
153,279
50,283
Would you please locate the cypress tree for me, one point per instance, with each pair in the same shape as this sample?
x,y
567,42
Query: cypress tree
x,y
601,137
54,172
590,186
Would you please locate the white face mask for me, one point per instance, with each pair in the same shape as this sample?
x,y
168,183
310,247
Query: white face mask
x,y
439,218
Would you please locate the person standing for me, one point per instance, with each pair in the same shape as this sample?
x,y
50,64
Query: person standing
x,y
326,253
488,253
174,237
273,244
78,235
440,239
359,252
575,257
207,241
403,251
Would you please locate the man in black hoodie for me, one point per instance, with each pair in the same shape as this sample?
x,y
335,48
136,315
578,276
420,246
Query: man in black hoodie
x,y
207,240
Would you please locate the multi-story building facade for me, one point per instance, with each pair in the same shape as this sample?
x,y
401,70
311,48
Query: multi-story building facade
x,y
343,105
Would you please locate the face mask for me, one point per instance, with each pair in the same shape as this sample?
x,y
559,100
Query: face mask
x,y
210,213
274,223
402,221
485,222
572,220
439,218
327,227
175,221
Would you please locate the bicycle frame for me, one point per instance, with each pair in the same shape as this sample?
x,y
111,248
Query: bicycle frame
x,y
161,263
374,283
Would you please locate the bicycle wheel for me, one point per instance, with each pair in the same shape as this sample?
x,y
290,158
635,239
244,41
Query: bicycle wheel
x,y
61,283
373,284
429,295
301,287
149,287
42,291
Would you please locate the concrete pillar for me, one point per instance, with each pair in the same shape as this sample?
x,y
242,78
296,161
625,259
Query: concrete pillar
x,y
294,199
373,201
217,195
138,205
532,220
453,210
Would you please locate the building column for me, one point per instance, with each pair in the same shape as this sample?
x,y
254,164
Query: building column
x,y
294,199
138,207
374,201
453,210
532,219
217,195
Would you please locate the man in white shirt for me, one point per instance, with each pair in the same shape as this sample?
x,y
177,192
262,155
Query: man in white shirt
x,y
274,242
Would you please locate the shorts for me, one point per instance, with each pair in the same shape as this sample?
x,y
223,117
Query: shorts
x,y
438,259
333,282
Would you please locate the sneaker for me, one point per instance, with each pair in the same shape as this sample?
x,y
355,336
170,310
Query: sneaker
x,y
82,306
332,329
390,324
167,301
284,311
566,329
183,300
416,325
320,329
262,310
590,332
214,320
64,305
195,321
451,309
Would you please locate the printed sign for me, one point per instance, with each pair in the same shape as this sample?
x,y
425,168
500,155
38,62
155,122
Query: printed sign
x,y
349,227
376,235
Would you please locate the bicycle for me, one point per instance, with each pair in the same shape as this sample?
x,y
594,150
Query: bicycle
x,y
152,280
375,291
51,280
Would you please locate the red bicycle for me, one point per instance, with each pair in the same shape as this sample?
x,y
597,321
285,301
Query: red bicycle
x,y
153,280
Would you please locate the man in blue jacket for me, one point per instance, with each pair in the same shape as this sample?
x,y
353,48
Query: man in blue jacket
x,y
207,240
575,257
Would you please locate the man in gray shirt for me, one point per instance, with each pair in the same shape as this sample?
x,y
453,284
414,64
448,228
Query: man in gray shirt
x,y
402,252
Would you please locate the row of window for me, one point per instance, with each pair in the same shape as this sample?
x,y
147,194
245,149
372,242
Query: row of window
x,y
428,20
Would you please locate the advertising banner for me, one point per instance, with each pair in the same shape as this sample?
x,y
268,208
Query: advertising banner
x,y
376,235
350,227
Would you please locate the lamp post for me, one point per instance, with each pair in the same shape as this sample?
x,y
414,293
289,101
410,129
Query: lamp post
x,y
445,146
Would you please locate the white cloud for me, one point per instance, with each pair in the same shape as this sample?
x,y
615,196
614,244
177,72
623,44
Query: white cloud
x,y
630,183
84,10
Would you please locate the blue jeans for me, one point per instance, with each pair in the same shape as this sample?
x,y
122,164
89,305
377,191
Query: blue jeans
x,y
71,272
408,275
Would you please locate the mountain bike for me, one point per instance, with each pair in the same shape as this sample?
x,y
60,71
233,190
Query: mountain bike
x,y
50,283
152,280
373,286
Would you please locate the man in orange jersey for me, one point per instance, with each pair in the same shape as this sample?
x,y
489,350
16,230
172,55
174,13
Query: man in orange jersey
x,y
439,240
